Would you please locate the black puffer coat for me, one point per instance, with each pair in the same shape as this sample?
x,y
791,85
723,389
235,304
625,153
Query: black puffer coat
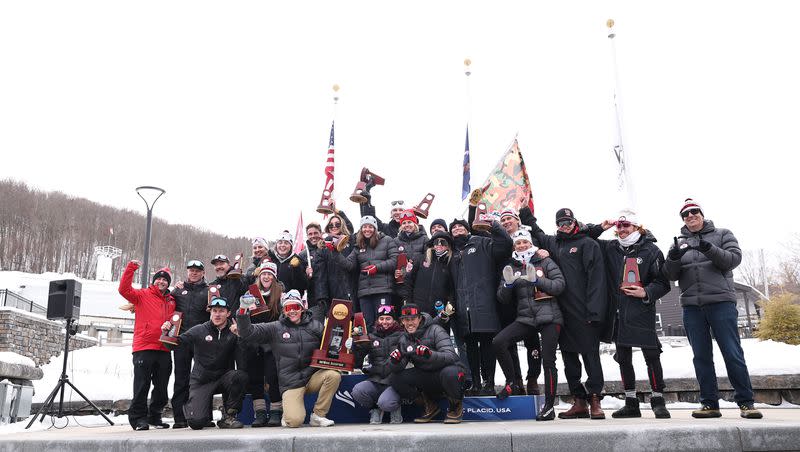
x,y
214,350
529,311
706,278
636,318
383,257
232,289
585,299
431,335
428,282
474,271
192,301
292,345
412,244
383,342
291,271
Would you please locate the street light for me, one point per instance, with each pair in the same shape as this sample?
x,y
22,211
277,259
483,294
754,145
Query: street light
x,y
149,195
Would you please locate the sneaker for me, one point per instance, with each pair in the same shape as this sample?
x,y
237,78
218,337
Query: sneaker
x,y
319,421
275,418
547,413
748,411
141,425
396,417
505,392
283,423
230,420
157,422
375,416
705,412
260,420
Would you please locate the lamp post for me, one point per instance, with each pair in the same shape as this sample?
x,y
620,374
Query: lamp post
x,y
149,195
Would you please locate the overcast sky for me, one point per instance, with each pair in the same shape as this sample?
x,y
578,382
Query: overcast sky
x,y
228,105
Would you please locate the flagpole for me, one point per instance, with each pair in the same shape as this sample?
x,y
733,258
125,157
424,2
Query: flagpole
x,y
624,183
335,112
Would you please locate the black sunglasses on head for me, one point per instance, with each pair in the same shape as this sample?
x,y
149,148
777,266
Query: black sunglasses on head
x,y
686,213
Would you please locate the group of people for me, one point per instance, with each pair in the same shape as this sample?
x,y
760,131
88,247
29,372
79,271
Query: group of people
x,y
490,281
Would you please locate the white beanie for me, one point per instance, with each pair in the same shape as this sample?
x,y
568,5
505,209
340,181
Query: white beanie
x,y
368,219
521,234
286,236
630,216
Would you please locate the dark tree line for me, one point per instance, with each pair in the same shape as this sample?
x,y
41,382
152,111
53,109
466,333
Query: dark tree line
x,y
51,231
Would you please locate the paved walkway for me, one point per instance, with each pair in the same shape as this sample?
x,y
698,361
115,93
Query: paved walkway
x,y
779,430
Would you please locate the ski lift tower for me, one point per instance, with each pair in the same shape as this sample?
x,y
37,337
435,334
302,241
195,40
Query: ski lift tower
x,y
105,256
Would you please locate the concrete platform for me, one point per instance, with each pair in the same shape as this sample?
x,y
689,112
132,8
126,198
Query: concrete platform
x,y
779,430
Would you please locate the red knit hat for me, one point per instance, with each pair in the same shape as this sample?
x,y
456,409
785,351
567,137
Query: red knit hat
x,y
690,204
163,273
408,215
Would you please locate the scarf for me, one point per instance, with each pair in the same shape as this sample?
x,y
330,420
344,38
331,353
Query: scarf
x,y
525,256
441,254
460,242
631,239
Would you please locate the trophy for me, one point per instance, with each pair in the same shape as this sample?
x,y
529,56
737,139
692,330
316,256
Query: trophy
x,y
360,328
332,354
368,180
171,336
213,292
421,210
483,221
630,274
325,206
236,273
402,261
261,305
539,295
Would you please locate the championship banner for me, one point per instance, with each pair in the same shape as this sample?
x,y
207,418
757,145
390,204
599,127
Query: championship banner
x,y
508,185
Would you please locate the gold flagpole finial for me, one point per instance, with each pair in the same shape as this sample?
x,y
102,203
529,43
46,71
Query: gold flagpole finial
x,y
610,26
467,63
335,92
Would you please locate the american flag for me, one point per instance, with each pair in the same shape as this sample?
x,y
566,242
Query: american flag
x,y
465,180
329,166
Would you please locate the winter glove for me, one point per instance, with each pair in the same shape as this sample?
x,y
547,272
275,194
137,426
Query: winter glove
x,y
530,274
366,368
294,262
475,197
329,245
677,251
396,356
509,277
423,351
704,246
370,270
247,301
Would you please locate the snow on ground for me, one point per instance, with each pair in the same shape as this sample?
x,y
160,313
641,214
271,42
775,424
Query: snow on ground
x,y
15,358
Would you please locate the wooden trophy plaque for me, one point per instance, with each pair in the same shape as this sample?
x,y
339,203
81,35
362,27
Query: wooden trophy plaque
x,y
332,353
360,328
423,208
630,274
171,336
236,273
540,295
261,304
213,292
325,206
402,261
483,221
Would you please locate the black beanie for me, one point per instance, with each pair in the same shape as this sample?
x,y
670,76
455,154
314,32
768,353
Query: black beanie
x,y
163,273
460,221
438,221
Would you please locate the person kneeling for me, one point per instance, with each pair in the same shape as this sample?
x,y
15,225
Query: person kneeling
x,y
436,370
214,346
293,338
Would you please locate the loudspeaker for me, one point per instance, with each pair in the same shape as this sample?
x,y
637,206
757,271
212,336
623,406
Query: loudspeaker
x,y
64,299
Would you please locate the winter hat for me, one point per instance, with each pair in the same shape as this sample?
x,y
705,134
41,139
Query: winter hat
x,y
630,216
509,213
386,309
440,222
286,236
565,214
368,219
460,221
195,263
260,241
410,310
220,258
408,215
521,234
268,267
292,296
440,235
690,204
163,273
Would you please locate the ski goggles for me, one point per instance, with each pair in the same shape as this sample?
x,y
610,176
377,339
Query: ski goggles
x,y
220,258
563,223
219,302
194,263
292,307
623,224
385,309
409,311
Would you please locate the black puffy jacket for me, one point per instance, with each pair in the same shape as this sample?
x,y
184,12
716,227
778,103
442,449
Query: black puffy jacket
x,y
431,335
192,301
291,271
529,311
706,278
214,350
232,289
428,282
383,343
292,345
383,257
412,244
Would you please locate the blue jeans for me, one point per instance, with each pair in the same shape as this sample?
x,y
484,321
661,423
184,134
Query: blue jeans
x,y
719,318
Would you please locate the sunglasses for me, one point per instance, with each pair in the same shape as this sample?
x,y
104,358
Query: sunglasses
x,y
335,224
623,224
292,307
398,203
194,263
440,242
562,223
686,213
218,302
385,310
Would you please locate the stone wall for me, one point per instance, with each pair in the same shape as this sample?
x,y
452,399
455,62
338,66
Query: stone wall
x,y
35,337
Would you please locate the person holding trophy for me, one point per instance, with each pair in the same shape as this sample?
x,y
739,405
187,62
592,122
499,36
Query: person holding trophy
x,y
293,338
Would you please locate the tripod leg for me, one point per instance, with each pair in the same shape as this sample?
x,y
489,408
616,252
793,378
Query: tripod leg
x,y
89,402
48,403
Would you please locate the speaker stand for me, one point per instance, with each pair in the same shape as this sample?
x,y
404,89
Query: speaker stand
x,y
64,380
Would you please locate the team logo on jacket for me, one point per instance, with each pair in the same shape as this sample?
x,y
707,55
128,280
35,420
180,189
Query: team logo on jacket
x,y
639,260
539,274
376,343
362,250
410,348
574,249
184,292
209,338
401,248
470,251
286,335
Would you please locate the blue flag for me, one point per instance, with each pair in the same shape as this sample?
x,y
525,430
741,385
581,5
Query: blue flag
x,y
465,181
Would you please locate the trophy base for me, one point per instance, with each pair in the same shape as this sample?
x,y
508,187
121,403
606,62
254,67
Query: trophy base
x,y
323,362
325,210
358,199
420,213
631,285
259,311
542,297
362,339
482,226
235,274
167,340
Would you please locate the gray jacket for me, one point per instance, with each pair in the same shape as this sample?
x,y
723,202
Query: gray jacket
x,y
383,257
706,278
529,311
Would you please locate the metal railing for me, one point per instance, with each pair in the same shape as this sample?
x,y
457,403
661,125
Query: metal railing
x,y
13,300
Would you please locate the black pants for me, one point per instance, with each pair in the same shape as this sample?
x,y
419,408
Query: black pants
x,y
481,357
252,363
517,331
231,385
655,374
182,356
149,366
434,384
271,377
533,347
594,372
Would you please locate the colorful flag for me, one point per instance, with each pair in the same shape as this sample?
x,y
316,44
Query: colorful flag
x,y
465,180
299,238
508,185
329,166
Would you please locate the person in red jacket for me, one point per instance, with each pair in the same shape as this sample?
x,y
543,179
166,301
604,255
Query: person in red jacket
x,y
151,360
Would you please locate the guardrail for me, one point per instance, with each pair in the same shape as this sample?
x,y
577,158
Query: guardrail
x,y
14,300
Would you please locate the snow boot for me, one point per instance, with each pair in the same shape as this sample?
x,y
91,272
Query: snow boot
x,y
260,420
631,409
579,409
659,407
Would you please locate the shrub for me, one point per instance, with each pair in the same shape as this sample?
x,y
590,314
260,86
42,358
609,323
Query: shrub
x,y
781,321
